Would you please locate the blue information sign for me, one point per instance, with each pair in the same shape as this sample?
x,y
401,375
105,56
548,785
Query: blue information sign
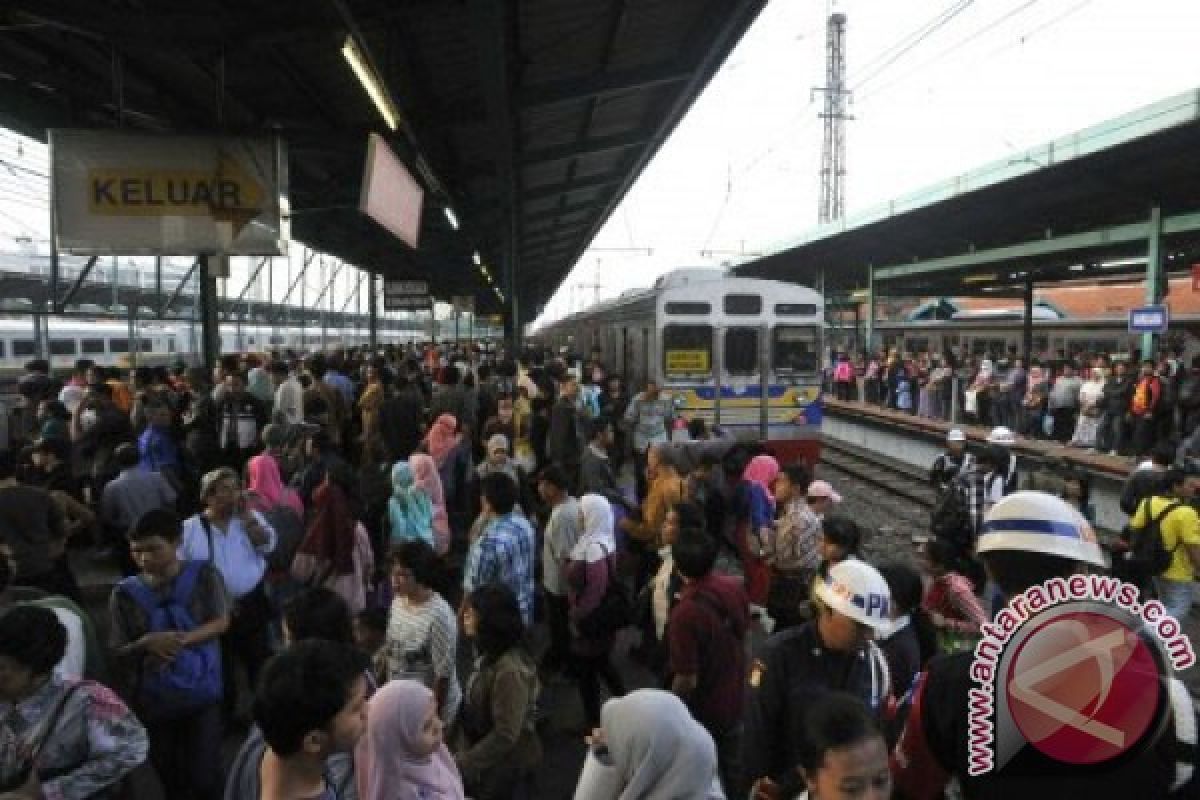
x,y
1149,319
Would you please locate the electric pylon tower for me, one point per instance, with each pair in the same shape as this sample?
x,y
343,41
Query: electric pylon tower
x,y
837,96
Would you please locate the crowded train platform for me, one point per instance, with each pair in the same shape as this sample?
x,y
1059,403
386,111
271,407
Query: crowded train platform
x,y
416,572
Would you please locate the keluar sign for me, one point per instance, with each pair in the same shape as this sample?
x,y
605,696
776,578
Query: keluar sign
x,y
131,193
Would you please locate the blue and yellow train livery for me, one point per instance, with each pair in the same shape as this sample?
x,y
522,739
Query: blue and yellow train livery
x,y
742,353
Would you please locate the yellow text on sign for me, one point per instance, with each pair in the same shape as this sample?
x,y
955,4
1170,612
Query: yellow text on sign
x,y
134,192
687,361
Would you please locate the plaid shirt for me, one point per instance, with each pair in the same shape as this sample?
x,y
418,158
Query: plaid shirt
x,y
504,553
983,490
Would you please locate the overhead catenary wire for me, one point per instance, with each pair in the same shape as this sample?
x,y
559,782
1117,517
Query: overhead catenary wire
x,y
953,48
930,28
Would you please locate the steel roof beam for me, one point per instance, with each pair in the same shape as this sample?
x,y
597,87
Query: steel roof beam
x,y
555,93
1112,237
556,189
585,147
558,211
731,18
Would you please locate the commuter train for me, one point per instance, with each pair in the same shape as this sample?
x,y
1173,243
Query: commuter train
x,y
738,352
108,342
994,332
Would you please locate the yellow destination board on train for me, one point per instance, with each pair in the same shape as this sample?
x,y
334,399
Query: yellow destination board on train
x,y
687,361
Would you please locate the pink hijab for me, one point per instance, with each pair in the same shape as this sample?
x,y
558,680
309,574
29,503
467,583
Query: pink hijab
x,y
262,478
762,470
386,767
427,479
442,438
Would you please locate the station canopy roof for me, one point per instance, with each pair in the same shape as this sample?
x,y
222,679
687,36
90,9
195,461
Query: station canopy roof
x,y
1076,207
530,119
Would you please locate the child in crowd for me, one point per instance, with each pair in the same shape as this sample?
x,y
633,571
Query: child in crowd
x,y
950,600
370,635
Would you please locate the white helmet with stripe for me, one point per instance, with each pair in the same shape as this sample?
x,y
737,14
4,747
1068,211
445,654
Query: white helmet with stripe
x,y
1037,522
855,589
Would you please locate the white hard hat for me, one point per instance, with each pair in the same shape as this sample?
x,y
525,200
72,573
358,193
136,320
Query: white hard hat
x,y
1037,522
956,435
855,589
1002,435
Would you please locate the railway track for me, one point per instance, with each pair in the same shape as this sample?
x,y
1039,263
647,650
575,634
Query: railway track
x,y
878,470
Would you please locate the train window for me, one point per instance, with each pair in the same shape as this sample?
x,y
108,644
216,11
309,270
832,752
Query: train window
x,y
146,346
794,350
118,345
741,351
91,346
62,347
2,348
687,350
276,340
743,304
682,309
23,347
795,309
171,345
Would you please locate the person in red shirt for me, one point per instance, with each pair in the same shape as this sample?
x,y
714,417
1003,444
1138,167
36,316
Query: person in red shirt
x,y
706,635
1143,407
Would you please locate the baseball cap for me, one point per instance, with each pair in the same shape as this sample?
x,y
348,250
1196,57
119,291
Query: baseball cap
x,y
823,489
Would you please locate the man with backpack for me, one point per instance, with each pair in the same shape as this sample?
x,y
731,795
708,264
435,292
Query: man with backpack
x,y
166,623
958,515
1164,540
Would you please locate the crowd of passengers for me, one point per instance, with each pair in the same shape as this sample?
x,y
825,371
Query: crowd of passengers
x,y
1093,401
396,574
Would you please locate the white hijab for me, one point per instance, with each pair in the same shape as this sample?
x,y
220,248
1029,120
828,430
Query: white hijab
x,y
597,540
658,749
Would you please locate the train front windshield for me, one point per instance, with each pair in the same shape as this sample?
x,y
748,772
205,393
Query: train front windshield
x,y
794,351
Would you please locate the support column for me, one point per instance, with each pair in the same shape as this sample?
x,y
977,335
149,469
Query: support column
x,y
372,313
869,345
210,332
1027,321
1155,282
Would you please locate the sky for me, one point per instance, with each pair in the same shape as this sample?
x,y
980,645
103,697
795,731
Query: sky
x,y
739,176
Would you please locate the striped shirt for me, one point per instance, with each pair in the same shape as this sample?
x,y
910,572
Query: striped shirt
x,y
420,646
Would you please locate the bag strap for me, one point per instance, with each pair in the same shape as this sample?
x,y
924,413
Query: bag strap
x,y
212,553
51,723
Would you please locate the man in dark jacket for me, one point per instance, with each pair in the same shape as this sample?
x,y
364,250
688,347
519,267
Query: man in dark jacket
x,y
401,417
563,445
1114,403
1188,398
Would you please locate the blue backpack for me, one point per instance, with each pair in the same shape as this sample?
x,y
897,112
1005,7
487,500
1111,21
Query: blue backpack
x,y
193,680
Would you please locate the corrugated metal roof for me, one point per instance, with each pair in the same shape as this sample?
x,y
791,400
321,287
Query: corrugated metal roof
x,y
536,116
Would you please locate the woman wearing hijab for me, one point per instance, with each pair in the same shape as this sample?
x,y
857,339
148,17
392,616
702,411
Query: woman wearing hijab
x,y
758,509
591,564
336,550
410,509
452,455
1091,393
404,756
427,478
648,747
266,484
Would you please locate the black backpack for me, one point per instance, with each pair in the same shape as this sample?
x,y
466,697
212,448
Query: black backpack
x,y
951,516
1148,557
